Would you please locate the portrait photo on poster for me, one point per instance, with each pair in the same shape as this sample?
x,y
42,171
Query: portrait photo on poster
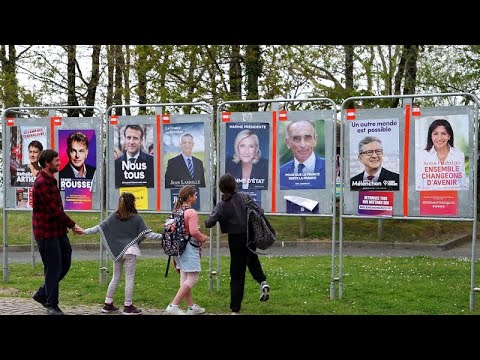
x,y
22,199
134,166
184,154
247,148
374,154
30,141
302,154
77,150
442,152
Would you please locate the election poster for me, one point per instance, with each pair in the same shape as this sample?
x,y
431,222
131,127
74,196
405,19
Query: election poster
x,y
302,155
247,154
374,154
184,154
441,152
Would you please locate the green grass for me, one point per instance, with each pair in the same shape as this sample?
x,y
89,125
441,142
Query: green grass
x,y
299,285
287,228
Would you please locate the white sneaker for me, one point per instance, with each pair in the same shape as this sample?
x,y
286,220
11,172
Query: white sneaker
x,y
174,310
195,310
264,291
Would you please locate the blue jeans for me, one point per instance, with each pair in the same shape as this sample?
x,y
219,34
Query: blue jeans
x,y
56,256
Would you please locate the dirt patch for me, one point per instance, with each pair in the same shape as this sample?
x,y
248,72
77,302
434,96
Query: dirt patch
x,y
9,291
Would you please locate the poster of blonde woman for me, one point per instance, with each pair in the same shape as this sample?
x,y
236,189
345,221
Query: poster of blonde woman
x,y
440,147
247,156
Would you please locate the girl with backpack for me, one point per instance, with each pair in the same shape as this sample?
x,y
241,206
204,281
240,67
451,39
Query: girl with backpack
x,y
231,213
189,261
121,233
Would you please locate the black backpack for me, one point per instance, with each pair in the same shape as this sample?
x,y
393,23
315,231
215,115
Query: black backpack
x,y
175,239
260,233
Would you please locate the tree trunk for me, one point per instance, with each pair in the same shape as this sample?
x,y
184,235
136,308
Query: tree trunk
x,y
93,83
126,79
167,52
235,77
411,69
253,71
141,67
191,80
119,64
71,94
10,82
110,73
399,75
349,73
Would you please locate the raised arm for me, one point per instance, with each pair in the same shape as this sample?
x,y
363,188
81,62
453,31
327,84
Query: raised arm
x,y
153,236
191,217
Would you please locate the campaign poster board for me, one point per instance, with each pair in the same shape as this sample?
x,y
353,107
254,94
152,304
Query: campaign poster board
x,y
181,141
134,166
315,176
441,152
77,165
23,167
247,154
374,154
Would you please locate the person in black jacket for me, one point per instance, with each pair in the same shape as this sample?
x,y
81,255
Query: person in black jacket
x,y
231,213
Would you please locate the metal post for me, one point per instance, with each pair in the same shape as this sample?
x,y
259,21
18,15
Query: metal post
x,y
303,226
380,229
5,242
32,248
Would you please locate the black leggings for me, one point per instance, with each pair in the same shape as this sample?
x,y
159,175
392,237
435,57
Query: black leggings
x,y
240,258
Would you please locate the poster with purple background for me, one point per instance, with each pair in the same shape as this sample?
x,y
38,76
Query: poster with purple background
x,y
375,203
77,164
78,199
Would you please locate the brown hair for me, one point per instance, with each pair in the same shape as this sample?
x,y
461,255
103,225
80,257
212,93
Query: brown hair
x,y
78,137
46,156
36,144
433,126
134,127
227,186
126,206
183,194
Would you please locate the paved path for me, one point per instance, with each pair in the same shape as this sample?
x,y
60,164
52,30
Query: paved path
x,y
22,306
293,248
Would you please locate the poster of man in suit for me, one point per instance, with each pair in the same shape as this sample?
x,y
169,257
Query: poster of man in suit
x,y
78,158
374,155
184,154
134,167
302,155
